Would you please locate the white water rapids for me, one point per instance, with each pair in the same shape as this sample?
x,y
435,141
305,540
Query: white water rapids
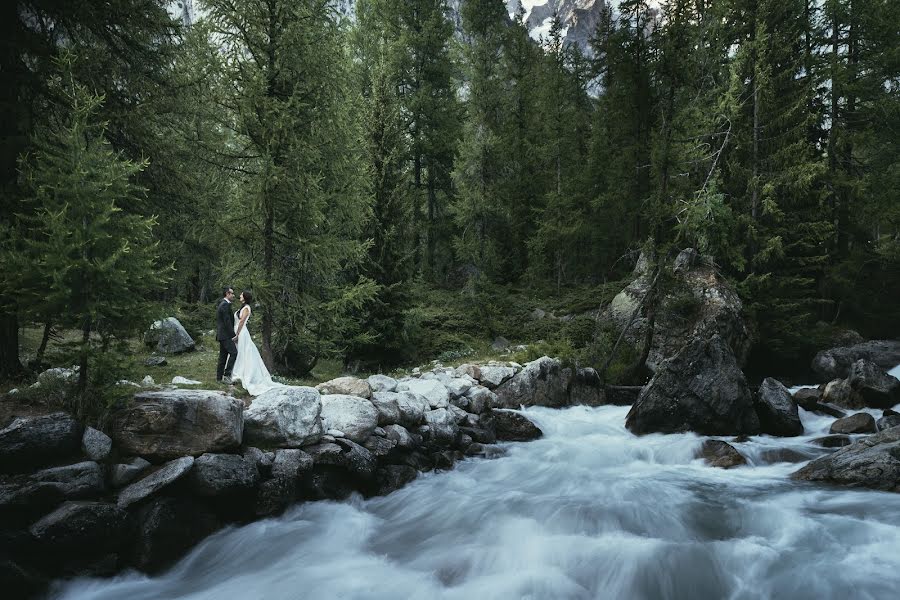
x,y
588,511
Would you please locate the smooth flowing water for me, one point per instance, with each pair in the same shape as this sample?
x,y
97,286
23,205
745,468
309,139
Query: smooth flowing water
x,y
588,511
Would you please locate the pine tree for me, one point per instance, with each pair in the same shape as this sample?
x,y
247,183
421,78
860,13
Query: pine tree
x,y
302,201
78,259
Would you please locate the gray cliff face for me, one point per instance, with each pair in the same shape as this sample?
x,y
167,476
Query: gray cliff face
x,y
579,18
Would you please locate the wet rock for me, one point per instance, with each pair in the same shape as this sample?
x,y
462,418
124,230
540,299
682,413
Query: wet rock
x,y
782,455
388,407
622,395
223,475
887,421
839,393
393,477
443,426
80,530
587,389
29,442
836,362
166,529
720,454
872,462
382,383
700,389
173,423
284,417
858,423
776,410
275,496
169,337
806,397
833,441
873,385
513,426
435,393
480,434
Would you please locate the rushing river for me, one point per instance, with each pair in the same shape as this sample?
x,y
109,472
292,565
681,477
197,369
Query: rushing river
x,y
588,511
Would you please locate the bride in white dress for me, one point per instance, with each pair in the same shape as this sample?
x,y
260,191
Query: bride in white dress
x,y
249,367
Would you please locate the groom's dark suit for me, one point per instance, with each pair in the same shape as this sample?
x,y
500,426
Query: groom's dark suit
x,y
224,333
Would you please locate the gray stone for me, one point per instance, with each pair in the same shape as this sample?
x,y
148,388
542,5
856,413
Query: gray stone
x,y
78,481
356,417
379,446
434,392
467,370
492,376
156,361
88,528
167,528
166,475
500,344
839,393
393,477
173,423
458,414
95,444
858,423
121,475
872,462
778,415
443,426
700,389
285,417
875,387
29,442
401,436
382,383
412,408
836,363
345,454
721,454
388,407
543,382
513,426
346,386
587,389
169,337
290,463
887,421
215,475
459,386
833,441
481,399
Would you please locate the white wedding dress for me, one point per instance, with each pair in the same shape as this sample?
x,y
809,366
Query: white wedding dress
x,y
249,367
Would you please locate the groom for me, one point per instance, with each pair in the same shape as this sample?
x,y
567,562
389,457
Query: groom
x,y
226,337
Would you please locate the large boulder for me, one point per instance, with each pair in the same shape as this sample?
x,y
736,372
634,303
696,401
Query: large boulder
x,y
587,389
435,392
412,408
388,407
166,529
81,528
346,386
172,423
872,462
169,473
543,382
442,426
216,475
836,363
480,399
876,388
81,480
30,442
839,393
858,423
701,302
513,426
284,417
491,376
700,389
356,417
169,337
382,383
778,415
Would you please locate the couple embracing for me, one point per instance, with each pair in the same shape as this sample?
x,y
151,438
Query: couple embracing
x,y
239,357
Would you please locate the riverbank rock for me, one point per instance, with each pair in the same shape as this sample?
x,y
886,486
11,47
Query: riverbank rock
x,y
888,419
284,417
491,376
29,442
700,302
388,407
412,408
355,416
435,393
169,337
700,389
833,441
543,382
79,481
382,383
874,386
122,474
872,462
442,427
95,444
858,423
149,485
82,529
166,529
346,386
587,389
778,415
172,423
720,454
836,363
216,475
513,426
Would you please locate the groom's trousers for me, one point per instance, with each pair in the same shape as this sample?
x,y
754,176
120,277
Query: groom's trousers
x,y
227,356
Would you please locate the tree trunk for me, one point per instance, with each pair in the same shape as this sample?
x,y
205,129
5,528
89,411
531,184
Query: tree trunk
x,y
39,359
83,357
268,263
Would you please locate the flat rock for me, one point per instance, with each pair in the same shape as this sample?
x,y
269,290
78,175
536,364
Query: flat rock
x,y
872,462
29,442
778,415
166,475
156,361
721,454
513,426
346,386
858,423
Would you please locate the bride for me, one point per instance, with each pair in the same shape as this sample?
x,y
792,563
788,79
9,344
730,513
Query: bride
x,y
249,367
